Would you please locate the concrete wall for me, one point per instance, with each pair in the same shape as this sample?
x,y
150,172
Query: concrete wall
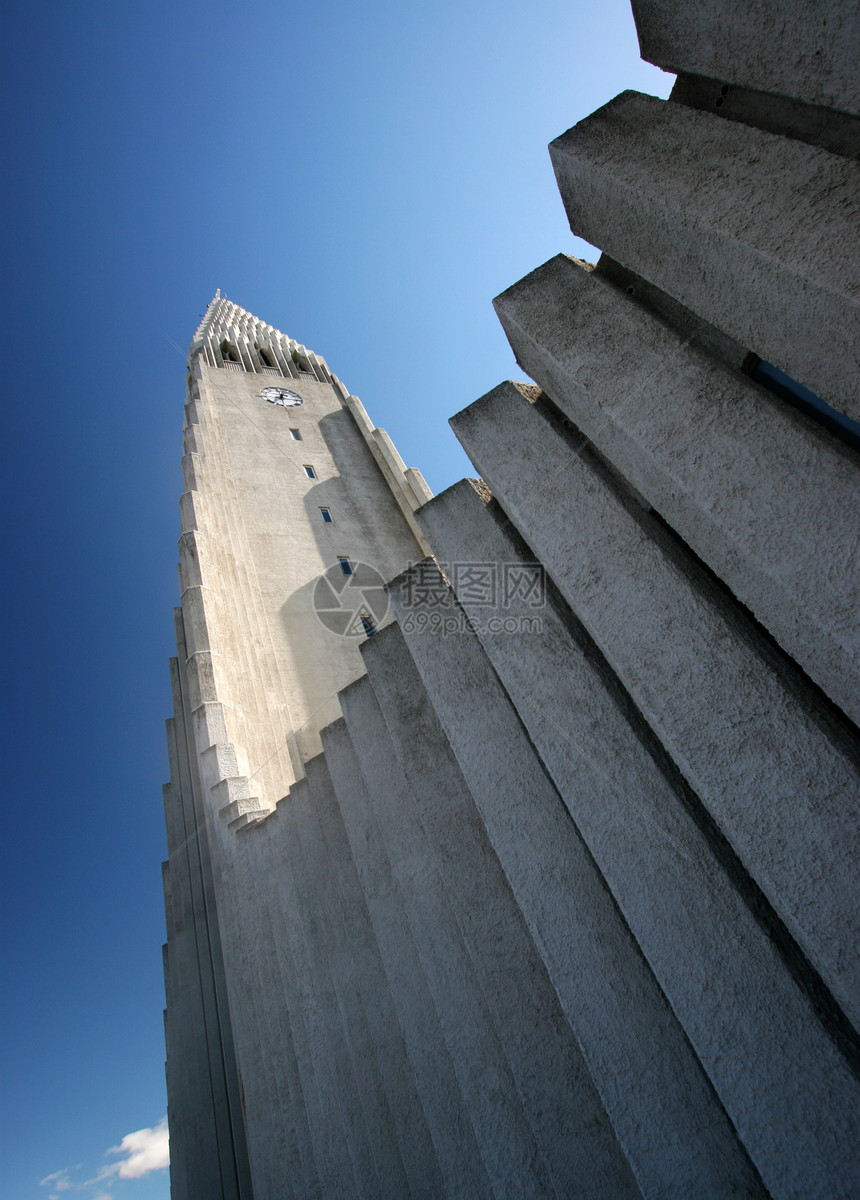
x,y
559,897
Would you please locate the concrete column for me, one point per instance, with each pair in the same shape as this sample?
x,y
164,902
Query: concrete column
x,y
359,983
804,51
279,929
264,1104
768,500
341,1145
775,774
707,209
368,1005
561,1103
670,1124
220,1106
275,1089
460,1172
787,1089
330,1157
511,1154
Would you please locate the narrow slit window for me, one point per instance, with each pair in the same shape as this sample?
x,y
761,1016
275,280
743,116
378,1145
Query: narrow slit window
x,y
368,624
310,471
327,518
345,565
296,435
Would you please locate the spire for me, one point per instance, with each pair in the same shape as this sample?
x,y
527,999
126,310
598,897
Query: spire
x,y
253,345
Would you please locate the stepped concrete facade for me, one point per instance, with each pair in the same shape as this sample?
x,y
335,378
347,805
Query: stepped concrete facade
x,y
534,873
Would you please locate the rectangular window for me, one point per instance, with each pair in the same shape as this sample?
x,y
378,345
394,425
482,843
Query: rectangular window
x,y
328,519
345,565
297,437
309,471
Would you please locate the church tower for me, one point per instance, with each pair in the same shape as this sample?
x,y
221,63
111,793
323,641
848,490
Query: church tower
x,y
295,511
559,896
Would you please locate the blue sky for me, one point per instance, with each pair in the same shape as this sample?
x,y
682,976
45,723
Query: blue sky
x,y
364,177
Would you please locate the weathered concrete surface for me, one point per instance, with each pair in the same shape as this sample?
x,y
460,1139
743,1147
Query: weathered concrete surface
x,y
707,210
788,1091
563,1109
670,1124
837,132
508,1145
287,1148
332,1167
460,1173
351,953
769,501
806,49
339,1147
780,781
210,1151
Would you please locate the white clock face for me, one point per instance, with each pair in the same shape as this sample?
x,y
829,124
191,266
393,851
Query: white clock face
x,y
281,396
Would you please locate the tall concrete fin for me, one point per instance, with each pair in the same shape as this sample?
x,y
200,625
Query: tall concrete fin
x,y
701,932
807,51
560,1103
777,776
769,501
707,210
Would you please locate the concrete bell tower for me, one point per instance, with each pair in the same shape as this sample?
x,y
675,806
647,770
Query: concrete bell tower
x,y
295,511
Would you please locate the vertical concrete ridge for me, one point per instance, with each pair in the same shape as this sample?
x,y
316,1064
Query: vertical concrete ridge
x,y
452,1165
771,503
671,193
351,1167
776,782
407,485
673,1130
508,1146
803,52
360,984
720,971
564,1111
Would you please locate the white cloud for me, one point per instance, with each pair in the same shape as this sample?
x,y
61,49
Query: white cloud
x,y
140,1152
59,1181
145,1150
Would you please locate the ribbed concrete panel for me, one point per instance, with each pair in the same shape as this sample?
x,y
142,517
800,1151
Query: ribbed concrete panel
x,y
289,1043
263,1104
778,778
768,500
410,1168
508,1145
460,1172
359,985
281,1127
788,1090
807,50
558,1095
670,1124
351,1168
308,1012
215,1151
708,209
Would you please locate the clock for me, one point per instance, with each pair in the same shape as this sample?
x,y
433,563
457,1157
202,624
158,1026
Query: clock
x,y
281,396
